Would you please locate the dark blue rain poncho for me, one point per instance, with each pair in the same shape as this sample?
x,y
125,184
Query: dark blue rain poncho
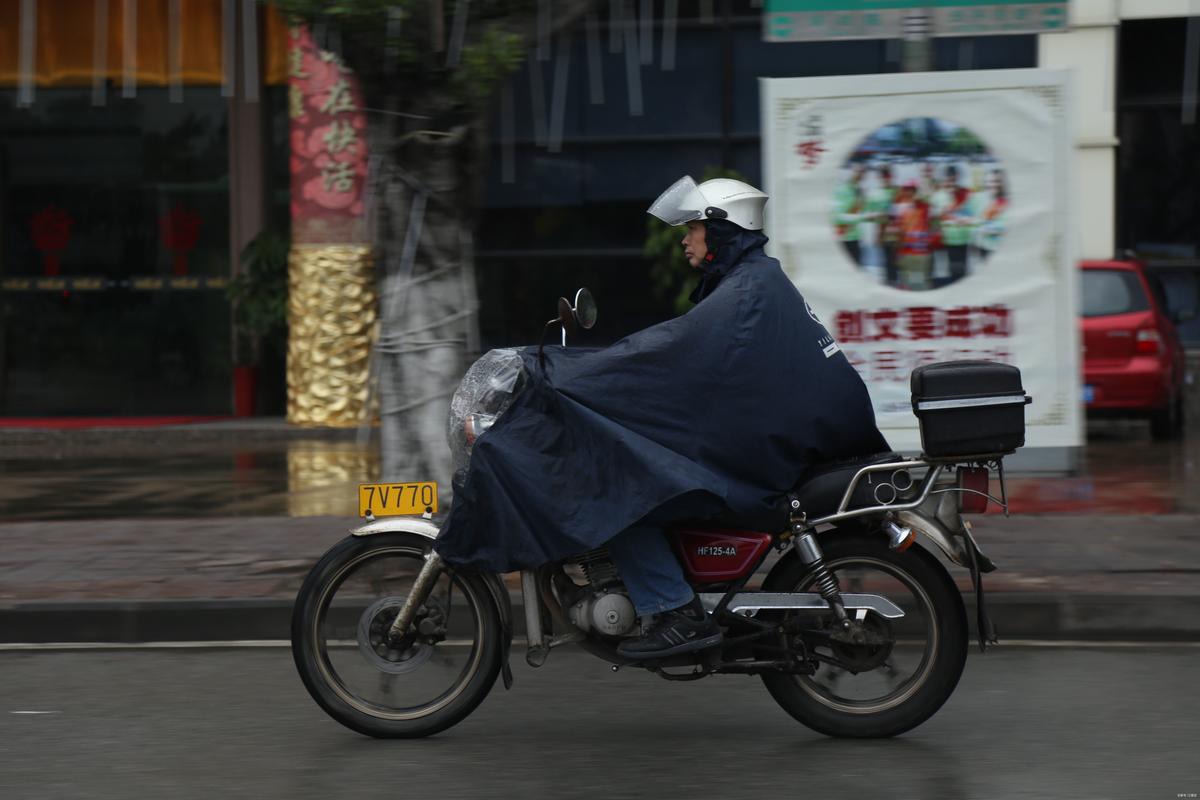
x,y
719,410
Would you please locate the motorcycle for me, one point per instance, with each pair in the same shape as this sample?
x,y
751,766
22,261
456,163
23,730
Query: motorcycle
x,y
837,602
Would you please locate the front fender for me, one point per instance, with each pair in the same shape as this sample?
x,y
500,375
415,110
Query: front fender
x,y
421,527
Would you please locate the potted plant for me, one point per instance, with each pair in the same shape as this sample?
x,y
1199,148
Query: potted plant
x,y
259,296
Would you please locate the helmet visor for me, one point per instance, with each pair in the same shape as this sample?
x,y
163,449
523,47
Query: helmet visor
x,y
679,204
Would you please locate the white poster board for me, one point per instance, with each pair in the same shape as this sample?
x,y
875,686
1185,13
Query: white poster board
x,y
925,218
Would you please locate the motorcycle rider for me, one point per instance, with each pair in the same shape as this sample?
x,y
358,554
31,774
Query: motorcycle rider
x,y
718,411
724,221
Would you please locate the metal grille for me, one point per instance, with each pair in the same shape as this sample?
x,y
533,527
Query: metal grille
x,y
598,567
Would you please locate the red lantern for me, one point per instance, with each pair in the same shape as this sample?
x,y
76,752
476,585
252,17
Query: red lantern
x,y
51,231
180,231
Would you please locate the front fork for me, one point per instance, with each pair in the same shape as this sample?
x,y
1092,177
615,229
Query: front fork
x,y
427,578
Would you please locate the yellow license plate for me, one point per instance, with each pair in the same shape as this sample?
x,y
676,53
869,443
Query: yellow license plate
x,y
394,499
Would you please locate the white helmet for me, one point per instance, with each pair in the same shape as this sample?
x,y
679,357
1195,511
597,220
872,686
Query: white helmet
x,y
720,198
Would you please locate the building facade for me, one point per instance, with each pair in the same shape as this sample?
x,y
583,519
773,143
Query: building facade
x,y
143,143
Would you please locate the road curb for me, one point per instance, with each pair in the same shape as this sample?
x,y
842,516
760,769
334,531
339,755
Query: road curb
x,y
1017,615
130,621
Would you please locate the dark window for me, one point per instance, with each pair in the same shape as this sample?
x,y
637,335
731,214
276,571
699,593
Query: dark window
x,y
1158,159
1112,291
1181,288
135,188
1158,175
1151,60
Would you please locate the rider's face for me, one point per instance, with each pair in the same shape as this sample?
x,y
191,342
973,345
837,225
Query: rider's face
x,y
694,248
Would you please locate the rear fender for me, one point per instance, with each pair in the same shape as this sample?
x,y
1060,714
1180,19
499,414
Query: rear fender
x,y
491,580
933,529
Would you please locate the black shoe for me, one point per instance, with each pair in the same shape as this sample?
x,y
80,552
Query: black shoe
x,y
680,630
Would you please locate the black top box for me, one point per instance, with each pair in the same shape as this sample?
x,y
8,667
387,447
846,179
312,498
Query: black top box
x,y
969,408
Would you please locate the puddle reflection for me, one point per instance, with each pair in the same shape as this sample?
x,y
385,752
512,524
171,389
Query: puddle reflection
x,y
1121,472
323,477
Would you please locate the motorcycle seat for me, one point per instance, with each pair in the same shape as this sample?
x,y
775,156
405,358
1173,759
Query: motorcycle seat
x,y
820,490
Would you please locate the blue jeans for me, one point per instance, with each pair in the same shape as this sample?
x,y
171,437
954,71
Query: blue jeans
x,y
649,569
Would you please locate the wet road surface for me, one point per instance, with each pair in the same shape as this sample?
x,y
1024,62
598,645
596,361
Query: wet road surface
x,y
1121,472
1024,723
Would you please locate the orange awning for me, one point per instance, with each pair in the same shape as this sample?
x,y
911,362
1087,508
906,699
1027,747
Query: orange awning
x,y
65,40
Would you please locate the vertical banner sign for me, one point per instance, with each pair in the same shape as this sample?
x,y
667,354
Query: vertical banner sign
x,y
331,275
328,145
925,218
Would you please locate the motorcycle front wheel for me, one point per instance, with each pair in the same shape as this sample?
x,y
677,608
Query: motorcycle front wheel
x,y
429,681
906,668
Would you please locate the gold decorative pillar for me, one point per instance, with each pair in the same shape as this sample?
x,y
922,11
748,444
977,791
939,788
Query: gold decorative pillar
x,y
331,276
331,325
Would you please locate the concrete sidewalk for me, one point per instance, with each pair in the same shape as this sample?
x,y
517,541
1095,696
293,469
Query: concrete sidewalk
x,y
128,580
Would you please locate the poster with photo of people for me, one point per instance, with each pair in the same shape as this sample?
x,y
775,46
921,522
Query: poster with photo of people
x,y
926,217
921,204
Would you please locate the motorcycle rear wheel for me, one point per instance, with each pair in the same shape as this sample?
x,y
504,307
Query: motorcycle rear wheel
x,y
932,636
339,625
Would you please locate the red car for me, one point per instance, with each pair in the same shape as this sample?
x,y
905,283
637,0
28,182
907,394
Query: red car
x,y
1132,357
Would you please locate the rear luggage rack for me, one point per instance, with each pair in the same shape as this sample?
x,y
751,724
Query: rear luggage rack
x,y
935,469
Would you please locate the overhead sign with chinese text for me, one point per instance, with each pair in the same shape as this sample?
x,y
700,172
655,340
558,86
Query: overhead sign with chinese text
x,y
925,218
808,20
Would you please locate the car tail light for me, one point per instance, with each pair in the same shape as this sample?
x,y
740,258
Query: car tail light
x,y
974,481
1147,341
475,424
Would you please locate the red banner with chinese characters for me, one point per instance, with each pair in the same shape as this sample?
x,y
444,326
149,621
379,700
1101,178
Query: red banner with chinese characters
x,y
940,334
328,145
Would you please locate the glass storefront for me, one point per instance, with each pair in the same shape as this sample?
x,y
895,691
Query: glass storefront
x,y
115,229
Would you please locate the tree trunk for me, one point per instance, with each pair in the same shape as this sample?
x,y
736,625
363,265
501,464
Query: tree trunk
x,y
424,195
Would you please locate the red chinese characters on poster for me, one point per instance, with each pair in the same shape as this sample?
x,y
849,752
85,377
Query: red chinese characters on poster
x,y
886,344
328,145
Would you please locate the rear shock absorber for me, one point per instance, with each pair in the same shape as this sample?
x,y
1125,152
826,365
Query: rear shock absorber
x,y
827,583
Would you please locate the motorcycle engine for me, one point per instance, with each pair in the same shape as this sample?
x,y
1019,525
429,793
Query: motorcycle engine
x,y
606,608
608,613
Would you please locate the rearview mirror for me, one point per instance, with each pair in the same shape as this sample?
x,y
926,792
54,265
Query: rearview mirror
x,y
585,309
566,316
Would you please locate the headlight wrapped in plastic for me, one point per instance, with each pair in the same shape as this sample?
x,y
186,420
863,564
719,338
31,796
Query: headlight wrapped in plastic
x,y
486,392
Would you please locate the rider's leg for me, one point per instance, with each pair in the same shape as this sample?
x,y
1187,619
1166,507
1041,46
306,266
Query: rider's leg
x,y
649,570
656,585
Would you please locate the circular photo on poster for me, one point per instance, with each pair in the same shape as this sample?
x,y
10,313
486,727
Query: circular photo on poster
x,y
920,204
